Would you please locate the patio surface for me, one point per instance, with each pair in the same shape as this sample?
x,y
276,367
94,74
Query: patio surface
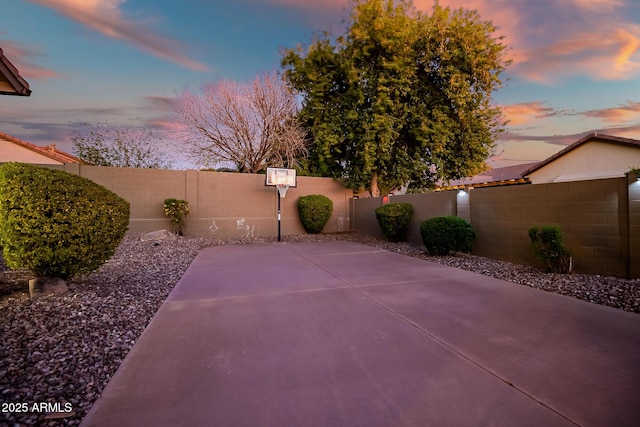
x,y
342,334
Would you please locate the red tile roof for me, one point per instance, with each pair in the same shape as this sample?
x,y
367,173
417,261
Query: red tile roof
x,y
49,151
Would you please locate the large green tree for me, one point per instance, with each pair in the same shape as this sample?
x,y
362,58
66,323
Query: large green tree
x,y
402,98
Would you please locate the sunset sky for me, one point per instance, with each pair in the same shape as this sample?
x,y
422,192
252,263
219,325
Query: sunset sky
x,y
576,63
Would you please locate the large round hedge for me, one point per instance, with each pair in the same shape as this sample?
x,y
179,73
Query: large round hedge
x,y
394,219
443,235
57,224
315,211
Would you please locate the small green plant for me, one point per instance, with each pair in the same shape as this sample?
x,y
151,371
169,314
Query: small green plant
x,y
393,219
57,224
177,211
315,211
548,247
443,235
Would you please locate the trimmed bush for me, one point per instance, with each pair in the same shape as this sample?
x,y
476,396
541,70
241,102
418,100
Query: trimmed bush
x,y
177,211
548,247
57,224
393,219
443,235
315,211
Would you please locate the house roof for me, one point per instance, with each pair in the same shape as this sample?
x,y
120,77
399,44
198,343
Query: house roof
x,y
49,151
507,175
590,137
10,81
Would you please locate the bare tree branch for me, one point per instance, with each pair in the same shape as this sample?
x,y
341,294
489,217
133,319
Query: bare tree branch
x,y
122,146
252,126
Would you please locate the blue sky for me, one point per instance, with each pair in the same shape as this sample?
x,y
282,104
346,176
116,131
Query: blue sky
x,y
576,63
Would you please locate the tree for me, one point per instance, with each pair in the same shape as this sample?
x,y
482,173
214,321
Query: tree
x,y
121,146
248,126
403,98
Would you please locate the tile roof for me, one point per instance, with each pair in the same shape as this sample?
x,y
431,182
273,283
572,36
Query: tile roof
x,y
49,151
507,175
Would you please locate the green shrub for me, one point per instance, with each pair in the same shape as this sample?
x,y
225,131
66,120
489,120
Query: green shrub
x,y
393,219
548,247
446,234
315,211
177,211
57,224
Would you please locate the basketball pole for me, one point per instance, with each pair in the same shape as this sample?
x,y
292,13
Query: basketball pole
x,y
278,191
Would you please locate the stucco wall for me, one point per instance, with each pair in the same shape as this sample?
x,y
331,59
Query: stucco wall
x,y
592,160
10,152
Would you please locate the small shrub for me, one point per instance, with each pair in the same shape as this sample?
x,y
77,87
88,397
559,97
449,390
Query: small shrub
x,y
57,224
393,219
315,211
177,211
446,234
548,247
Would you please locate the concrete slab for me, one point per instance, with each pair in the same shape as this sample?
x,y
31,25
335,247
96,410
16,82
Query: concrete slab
x,y
348,335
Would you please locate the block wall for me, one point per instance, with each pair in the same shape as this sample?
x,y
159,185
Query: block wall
x,y
223,205
591,214
600,220
425,206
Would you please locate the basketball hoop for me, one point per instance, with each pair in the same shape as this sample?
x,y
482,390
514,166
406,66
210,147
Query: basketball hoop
x,y
282,189
282,179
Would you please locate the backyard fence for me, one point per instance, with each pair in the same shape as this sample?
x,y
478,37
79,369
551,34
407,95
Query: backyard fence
x,y
600,220
223,204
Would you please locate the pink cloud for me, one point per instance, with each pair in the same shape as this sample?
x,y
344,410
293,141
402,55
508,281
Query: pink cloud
x,y
23,58
599,5
518,114
549,40
105,17
626,112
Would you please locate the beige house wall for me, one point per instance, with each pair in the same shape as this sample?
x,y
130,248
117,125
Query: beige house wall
x,y
10,152
592,160
223,205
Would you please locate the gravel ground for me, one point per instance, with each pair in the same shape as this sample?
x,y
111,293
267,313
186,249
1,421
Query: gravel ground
x,y
58,352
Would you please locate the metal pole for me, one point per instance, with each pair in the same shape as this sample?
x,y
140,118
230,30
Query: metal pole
x,y
278,214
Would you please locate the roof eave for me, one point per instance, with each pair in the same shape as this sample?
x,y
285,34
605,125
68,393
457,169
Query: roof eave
x,y
19,85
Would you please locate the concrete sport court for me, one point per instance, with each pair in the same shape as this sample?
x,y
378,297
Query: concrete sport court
x,y
341,334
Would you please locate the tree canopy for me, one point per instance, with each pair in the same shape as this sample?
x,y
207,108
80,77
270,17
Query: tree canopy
x,y
402,98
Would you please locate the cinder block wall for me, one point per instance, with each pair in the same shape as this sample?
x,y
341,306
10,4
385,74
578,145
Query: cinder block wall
x,y
425,206
634,226
600,220
591,214
223,205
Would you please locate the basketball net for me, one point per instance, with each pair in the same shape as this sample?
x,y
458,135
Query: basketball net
x,y
282,189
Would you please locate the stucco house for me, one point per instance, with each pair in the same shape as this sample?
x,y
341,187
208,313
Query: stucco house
x,y
10,81
596,156
16,150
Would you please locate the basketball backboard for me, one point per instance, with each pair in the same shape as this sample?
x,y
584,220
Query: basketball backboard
x,y
281,176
